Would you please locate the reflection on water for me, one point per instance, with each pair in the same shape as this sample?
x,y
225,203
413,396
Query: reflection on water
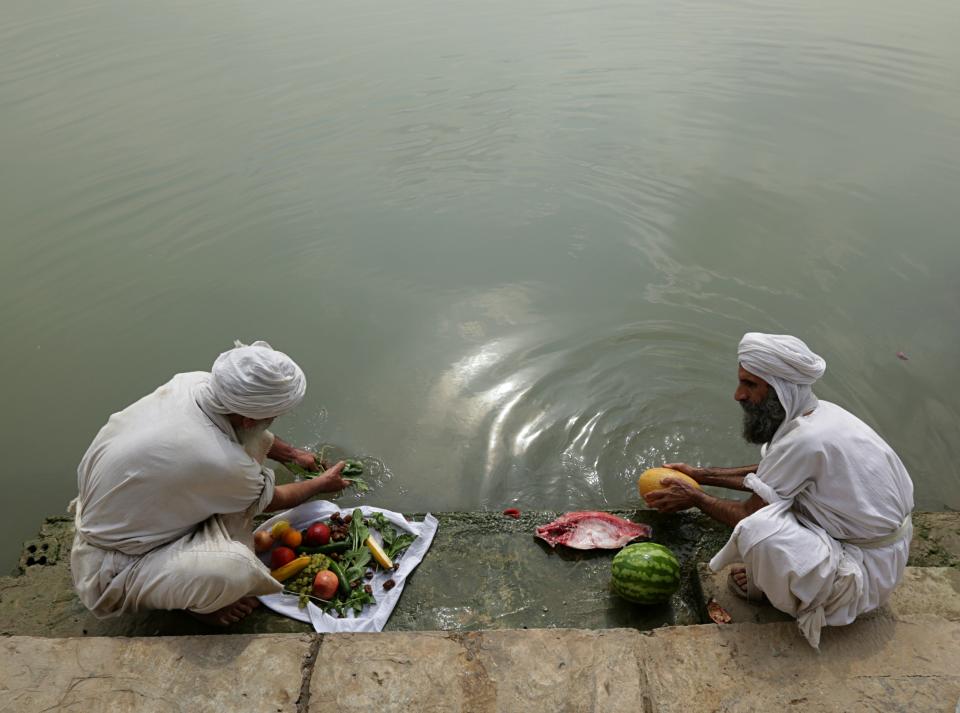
x,y
513,246
558,423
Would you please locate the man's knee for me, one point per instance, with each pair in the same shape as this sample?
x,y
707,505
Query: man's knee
x,y
204,581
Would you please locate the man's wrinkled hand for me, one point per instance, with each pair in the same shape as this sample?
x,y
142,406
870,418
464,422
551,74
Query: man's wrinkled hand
x,y
306,460
692,471
331,480
675,497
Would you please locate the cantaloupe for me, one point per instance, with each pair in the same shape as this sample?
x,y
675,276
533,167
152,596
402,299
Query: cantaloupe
x,y
650,479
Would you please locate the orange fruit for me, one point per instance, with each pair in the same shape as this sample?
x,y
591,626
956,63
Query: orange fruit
x,y
292,538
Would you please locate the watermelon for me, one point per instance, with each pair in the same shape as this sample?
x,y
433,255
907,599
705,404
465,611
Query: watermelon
x,y
645,573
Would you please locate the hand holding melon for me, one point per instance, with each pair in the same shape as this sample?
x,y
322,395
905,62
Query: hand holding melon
x,y
661,495
652,480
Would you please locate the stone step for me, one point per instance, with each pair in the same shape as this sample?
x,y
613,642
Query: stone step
x,y
484,571
924,590
885,663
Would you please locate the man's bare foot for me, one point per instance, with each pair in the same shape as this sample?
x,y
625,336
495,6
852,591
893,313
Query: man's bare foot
x,y
740,576
230,614
740,584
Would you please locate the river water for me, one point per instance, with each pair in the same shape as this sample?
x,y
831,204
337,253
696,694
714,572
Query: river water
x,y
513,245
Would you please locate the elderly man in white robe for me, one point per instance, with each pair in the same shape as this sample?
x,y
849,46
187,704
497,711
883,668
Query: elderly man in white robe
x,y
825,534
170,485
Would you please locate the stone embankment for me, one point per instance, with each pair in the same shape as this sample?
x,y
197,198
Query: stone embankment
x,y
494,622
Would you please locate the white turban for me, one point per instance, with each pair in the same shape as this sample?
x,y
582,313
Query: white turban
x,y
256,381
787,364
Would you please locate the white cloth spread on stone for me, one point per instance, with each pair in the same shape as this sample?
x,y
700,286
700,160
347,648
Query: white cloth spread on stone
x,y
827,477
163,516
373,617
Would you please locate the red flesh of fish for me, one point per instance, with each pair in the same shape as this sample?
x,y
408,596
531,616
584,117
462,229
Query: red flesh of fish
x,y
589,530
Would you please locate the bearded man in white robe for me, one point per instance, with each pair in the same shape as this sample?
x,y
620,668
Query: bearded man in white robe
x,y
825,534
170,485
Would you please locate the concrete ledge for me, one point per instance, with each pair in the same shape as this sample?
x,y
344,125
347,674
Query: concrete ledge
x,y
879,664
927,590
511,671
158,674
903,658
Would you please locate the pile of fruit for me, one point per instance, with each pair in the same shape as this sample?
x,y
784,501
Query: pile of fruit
x,y
332,562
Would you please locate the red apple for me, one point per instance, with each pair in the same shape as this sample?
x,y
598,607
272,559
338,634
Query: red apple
x,y
317,534
325,585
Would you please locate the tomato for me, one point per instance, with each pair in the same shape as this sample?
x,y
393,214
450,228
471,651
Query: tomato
x,y
325,585
262,541
317,534
281,556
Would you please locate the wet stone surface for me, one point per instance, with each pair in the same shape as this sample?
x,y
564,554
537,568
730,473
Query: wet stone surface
x,y
484,571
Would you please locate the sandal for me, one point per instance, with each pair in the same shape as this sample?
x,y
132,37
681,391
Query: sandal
x,y
751,592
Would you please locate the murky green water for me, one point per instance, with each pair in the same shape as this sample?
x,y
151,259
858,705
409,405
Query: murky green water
x,y
513,245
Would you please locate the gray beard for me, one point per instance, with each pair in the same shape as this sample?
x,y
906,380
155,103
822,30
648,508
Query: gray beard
x,y
761,421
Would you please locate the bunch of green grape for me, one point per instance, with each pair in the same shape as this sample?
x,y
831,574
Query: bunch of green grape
x,y
302,584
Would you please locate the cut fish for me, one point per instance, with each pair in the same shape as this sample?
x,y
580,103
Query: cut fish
x,y
590,530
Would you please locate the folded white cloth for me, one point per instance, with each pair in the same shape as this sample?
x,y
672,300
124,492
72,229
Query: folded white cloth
x,y
374,616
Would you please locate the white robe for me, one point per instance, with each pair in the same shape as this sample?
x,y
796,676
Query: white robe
x,y
827,477
164,512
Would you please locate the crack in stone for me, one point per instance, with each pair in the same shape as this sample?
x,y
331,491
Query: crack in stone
x,y
306,669
643,679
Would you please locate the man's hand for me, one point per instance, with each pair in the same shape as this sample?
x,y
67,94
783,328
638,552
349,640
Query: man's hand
x,y
675,497
331,481
306,460
289,495
283,452
692,471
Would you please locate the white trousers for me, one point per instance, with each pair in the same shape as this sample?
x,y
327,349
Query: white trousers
x,y
809,575
204,571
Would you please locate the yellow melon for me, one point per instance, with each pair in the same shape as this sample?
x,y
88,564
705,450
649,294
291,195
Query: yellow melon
x,y
650,479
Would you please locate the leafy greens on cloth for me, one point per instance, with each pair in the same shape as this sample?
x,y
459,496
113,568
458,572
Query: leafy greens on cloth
x,y
373,617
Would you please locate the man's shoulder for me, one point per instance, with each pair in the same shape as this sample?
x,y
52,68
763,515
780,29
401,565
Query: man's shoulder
x,y
188,379
828,422
831,419
832,427
178,386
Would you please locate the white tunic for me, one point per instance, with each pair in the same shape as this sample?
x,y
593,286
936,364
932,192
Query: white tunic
x,y
827,477
163,513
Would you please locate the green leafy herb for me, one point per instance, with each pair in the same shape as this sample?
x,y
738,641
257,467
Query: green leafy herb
x,y
400,544
352,467
359,483
297,469
394,542
358,530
